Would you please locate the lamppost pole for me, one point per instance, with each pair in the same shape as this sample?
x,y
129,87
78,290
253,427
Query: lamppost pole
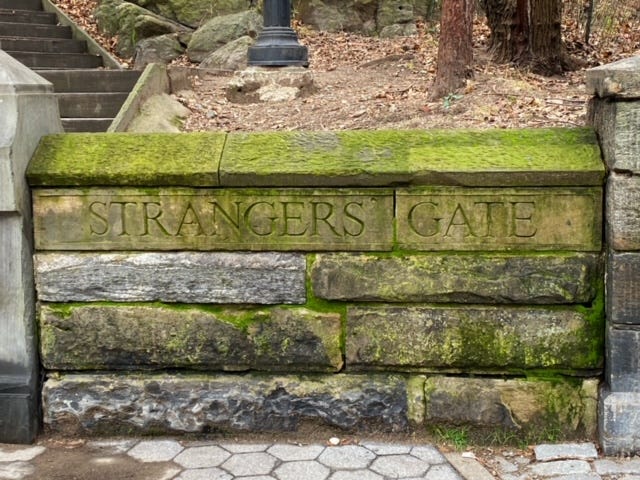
x,y
277,45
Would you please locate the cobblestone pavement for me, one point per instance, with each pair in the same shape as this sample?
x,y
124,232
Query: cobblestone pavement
x,y
170,459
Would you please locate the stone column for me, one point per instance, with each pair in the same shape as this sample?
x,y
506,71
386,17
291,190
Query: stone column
x,y
615,113
28,110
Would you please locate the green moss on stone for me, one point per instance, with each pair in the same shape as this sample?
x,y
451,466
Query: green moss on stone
x,y
124,159
536,157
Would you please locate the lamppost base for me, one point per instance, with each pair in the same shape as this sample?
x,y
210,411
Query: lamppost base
x,y
278,47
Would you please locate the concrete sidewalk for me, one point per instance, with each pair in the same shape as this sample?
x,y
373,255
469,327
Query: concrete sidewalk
x,y
178,459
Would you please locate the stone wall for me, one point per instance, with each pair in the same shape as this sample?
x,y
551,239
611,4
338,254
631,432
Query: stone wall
x,y
615,112
28,110
361,280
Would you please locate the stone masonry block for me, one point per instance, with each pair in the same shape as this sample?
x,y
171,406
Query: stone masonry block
x,y
100,337
617,124
108,404
459,278
623,211
513,404
623,288
181,277
619,422
472,339
623,359
619,79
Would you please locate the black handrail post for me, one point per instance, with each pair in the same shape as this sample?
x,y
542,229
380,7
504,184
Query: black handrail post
x,y
277,45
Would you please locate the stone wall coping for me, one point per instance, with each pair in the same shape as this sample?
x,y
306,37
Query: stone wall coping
x,y
474,158
618,79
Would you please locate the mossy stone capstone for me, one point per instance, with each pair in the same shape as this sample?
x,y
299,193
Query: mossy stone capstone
x,y
121,159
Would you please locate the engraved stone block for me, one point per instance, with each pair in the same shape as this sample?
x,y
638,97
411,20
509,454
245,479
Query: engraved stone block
x,y
623,288
459,278
472,339
132,337
623,359
183,277
111,404
201,219
623,212
499,219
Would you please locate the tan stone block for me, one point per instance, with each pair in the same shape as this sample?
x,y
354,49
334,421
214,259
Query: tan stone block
x,y
500,219
205,219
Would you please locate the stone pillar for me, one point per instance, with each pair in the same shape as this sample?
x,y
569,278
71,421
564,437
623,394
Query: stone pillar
x,y
28,110
615,113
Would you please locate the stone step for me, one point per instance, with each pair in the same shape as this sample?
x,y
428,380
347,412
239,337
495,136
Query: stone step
x,y
21,4
86,124
35,30
90,105
42,45
36,60
91,80
27,16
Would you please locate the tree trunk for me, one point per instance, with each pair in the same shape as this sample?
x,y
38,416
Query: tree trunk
x,y
528,32
455,48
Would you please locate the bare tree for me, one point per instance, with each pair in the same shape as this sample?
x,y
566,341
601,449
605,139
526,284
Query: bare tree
x,y
455,49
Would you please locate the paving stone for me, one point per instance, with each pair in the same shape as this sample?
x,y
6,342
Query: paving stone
x,y
387,449
561,467
155,451
442,472
202,457
355,475
290,453
399,465
630,477
244,447
16,470
576,451
428,453
113,447
613,467
260,477
21,455
580,476
468,467
348,457
245,464
307,470
505,466
205,474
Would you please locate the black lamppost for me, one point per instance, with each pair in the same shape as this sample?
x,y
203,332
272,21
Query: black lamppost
x,y
277,45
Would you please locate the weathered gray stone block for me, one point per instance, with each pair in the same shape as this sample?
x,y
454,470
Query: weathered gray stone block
x,y
619,422
617,123
623,288
515,403
618,79
472,339
461,278
623,211
28,110
623,359
108,404
183,277
99,337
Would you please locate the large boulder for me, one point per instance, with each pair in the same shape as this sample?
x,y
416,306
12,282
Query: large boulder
x,y
219,31
132,23
233,56
160,49
392,12
194,12
338,15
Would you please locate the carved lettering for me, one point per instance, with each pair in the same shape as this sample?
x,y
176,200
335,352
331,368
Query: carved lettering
x,y
521,224
350,214
101,217
148,217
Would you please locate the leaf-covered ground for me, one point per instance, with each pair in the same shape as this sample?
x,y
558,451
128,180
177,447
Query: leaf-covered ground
x,y
370,83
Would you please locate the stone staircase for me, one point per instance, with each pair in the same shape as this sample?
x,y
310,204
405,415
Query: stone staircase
x,y
89,96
